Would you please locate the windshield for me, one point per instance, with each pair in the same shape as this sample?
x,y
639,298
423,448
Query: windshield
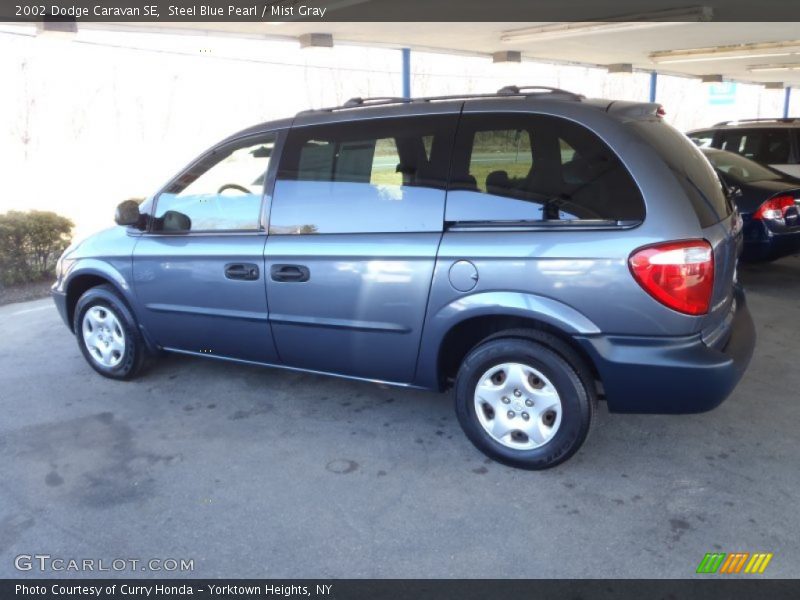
x,y
739,168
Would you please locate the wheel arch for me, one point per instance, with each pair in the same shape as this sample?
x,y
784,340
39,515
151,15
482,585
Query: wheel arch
x,y
92,275
460,326
470,333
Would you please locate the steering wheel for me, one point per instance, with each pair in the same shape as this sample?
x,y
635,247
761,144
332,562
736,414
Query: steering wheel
x,y
233,186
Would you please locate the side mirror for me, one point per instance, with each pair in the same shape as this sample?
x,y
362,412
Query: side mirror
x,y
175,221
127,213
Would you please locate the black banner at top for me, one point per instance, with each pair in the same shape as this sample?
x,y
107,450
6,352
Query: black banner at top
x,y
328,11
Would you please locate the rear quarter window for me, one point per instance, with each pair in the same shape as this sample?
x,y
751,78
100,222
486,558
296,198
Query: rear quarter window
x,y
691,169
528,168
764,145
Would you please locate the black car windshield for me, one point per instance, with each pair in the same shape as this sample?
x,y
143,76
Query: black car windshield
x,y
739,168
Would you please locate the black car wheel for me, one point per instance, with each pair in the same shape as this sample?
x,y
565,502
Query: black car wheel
x,y
524,404
107,334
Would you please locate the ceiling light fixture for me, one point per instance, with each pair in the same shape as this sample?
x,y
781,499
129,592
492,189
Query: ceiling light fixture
x,y
739,51
631,22
776,67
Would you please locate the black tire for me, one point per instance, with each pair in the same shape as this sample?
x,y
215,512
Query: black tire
x,y
568,374
134,357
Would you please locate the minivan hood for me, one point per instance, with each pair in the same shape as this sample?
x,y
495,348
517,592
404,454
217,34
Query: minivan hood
x,y
102,243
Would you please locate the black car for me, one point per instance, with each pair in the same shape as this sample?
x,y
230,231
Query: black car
x,y
773,142
767,199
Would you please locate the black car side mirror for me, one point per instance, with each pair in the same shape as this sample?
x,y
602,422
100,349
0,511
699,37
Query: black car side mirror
x,y
127,213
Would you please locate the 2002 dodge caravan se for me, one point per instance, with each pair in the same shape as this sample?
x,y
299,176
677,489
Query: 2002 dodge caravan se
x,y
532,249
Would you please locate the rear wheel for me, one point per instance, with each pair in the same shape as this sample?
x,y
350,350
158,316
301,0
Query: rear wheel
x,y
107,334
522,403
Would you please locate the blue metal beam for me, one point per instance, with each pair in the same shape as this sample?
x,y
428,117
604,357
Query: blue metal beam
x,y
653,85
786,99
406,72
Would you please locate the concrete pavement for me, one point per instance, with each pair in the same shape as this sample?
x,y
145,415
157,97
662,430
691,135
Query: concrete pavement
x,y
257,472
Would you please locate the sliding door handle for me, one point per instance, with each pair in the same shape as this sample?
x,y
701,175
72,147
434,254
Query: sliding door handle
x,y
290,273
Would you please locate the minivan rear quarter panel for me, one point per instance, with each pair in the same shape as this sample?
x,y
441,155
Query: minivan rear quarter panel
x,y
578,267
578,281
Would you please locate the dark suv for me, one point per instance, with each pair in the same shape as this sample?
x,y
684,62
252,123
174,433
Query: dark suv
x,y
773,142
532,249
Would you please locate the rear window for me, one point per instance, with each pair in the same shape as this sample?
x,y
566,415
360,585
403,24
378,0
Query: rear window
x,y
739,168
694,173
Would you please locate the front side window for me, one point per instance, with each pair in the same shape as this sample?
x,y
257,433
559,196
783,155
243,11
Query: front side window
x,y
537,168
221,192
370,176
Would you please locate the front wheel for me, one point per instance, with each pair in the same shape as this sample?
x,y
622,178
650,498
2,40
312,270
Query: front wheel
x,y
107,334
523,404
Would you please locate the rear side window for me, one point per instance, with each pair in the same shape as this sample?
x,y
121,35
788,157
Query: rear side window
x,y
690,168
511,168
368,176
505,152
768,146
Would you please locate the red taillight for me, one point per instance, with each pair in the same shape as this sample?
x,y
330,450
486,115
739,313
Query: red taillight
x,y
677,274
774,208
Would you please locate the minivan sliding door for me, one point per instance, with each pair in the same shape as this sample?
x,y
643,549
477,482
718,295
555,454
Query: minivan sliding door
x,y
354,229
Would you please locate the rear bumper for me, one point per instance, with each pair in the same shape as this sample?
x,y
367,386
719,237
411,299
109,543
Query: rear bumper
x,y
672,375
761,243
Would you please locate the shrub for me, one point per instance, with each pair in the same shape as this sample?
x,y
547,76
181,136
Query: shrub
x,y
30,244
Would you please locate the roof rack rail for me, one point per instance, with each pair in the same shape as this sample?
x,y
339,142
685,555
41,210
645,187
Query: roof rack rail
x,y
529,91
359,101
514,90
759,120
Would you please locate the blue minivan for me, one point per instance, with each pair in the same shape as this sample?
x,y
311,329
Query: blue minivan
x,y
532,249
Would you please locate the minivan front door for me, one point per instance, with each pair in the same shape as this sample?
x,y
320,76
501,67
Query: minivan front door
x,y
355,225
199,272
